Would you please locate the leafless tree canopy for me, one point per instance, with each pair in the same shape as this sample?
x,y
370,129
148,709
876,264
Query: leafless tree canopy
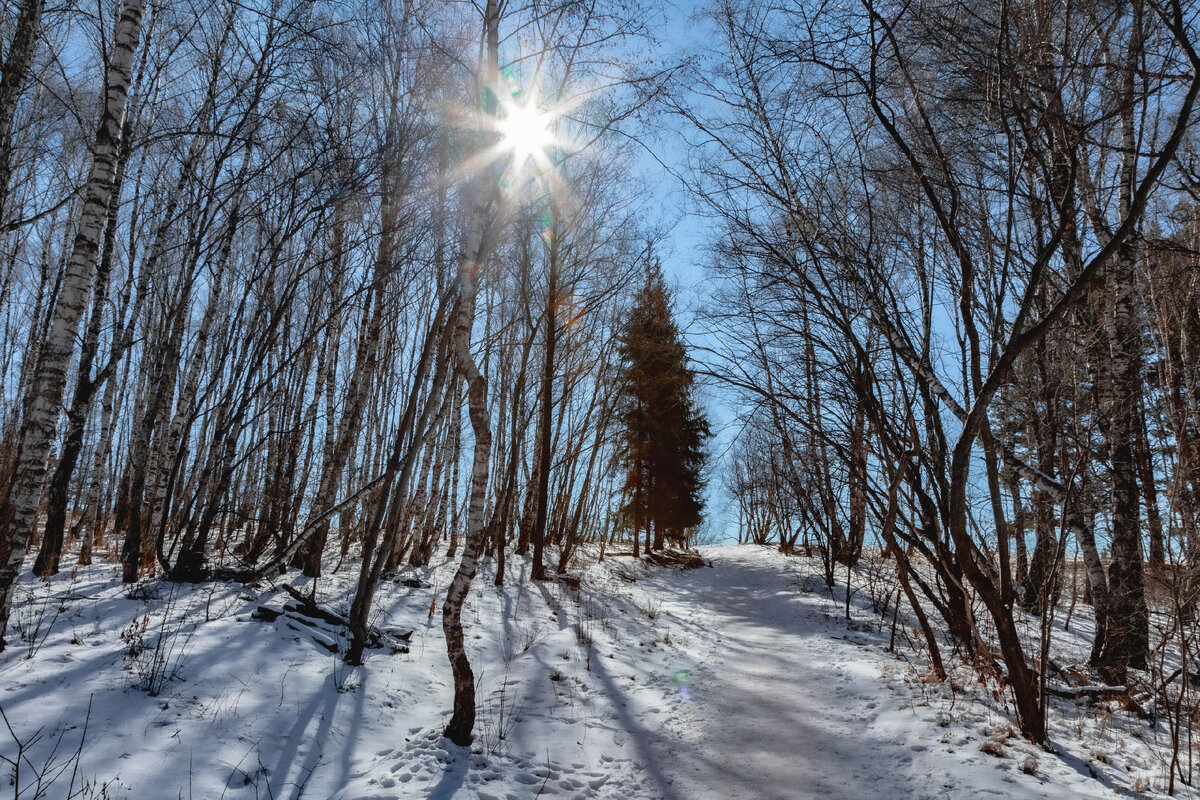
x,y
947,233
296,285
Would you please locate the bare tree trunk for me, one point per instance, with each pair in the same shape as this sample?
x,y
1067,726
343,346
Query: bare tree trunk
x,y
1018,527
85,386
857,482
91,524
448,510
1147,480
1127,640
13,76
545,417
1045,434
190,562
462,721
388,502
44,399
366,352
145,452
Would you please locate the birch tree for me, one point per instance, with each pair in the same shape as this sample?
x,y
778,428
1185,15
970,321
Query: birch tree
x,y
43,400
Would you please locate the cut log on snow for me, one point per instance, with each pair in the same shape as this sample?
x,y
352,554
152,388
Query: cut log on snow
x,y
327,628
683,559
308,608
1098,691
266,614
321,639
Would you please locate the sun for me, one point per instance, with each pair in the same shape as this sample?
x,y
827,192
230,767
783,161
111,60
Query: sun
x,y
526,132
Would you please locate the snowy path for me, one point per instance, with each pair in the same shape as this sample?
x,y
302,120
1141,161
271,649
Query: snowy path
x,y
791,703
578,695
783,714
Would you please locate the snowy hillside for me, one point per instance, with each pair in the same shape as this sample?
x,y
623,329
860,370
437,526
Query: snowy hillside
x,y
742,680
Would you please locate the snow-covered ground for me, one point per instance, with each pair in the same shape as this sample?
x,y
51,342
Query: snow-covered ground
x,y
742,680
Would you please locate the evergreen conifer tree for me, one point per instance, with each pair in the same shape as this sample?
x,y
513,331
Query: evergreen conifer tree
x,y
664,429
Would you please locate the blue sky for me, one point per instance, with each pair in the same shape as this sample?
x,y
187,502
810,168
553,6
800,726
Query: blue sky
x,y
684,253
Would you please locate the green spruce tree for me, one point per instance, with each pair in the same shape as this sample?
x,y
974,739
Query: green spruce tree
x,y
665,431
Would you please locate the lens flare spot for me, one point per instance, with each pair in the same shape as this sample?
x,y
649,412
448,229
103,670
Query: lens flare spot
x,y
680,678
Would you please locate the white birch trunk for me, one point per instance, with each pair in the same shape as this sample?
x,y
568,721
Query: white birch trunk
x,y
462,721
44,401
13,77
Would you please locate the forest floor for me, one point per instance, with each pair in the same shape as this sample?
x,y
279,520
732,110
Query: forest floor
x,y
740,680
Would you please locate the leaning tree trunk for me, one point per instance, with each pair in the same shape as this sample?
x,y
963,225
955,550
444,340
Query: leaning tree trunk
x,y
86,386
1044,566
423,506
572,538
170,462
145,452
462,721
43,401
90,526
366,357
410,438
546,412
13,76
